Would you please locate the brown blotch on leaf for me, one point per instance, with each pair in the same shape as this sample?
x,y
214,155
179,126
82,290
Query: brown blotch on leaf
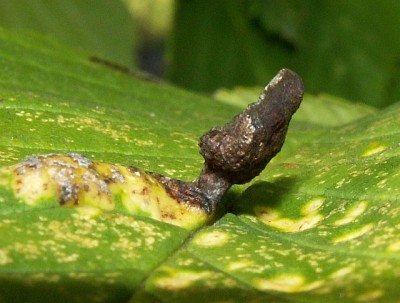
x,y
145,191
69,193
240,150
187,192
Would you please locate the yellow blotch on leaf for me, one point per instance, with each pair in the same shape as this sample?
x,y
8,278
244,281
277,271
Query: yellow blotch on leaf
x,y
312,206
310,217
353,234
394,247
211,238
289,283
370,295
92,187
341,273
374,148
177,280
241,264
4,257
352,214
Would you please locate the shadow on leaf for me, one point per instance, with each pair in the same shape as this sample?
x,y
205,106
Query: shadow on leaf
x,y
265,194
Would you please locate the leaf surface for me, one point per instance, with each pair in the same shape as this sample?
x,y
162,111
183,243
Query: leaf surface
x,y
341,48
320,223
104,27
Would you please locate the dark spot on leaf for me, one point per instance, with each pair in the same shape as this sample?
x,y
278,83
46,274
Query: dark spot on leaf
x,y
69,193
108,179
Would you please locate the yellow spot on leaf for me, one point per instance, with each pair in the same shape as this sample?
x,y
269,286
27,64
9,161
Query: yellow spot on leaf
x,y
64,258
352,214
374,148
211,239
43,277
144,195
116,132
370,295
177,280
394,247
287,283
32,187
91,187
4,257
238,265
339,274
30,250
354,234
382,183
312,206
274,219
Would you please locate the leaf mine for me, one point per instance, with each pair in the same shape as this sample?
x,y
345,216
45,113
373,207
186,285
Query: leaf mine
x,y
233,154
75,181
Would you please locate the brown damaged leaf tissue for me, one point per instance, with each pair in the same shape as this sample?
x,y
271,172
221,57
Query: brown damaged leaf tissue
x,y
233,154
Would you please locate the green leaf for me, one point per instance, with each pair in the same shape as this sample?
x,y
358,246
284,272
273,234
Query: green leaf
x,y
56,100
319,224
338,47
103,27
